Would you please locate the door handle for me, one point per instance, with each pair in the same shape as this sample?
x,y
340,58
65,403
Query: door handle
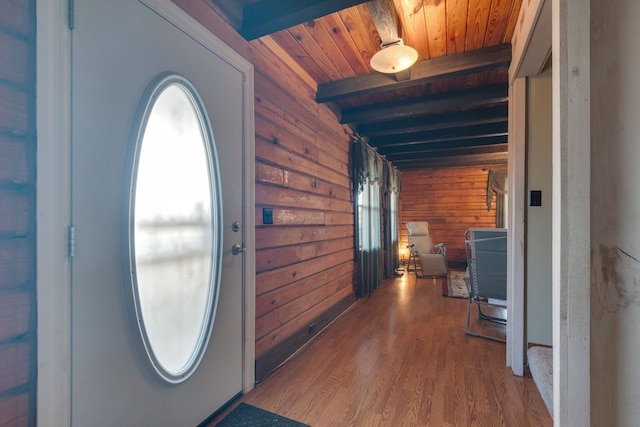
x,y
237,248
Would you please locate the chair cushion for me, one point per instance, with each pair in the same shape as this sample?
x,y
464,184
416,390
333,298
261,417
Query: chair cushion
x,y
418,228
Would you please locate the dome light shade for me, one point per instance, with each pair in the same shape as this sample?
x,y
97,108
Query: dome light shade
x,y
394,58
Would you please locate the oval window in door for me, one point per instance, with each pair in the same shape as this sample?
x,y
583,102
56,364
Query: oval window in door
x,y
174,232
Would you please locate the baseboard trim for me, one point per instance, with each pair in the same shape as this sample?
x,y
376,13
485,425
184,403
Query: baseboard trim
x,y
274,358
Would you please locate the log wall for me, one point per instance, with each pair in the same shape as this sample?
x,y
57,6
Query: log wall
x,y
304,260
451,200
17,214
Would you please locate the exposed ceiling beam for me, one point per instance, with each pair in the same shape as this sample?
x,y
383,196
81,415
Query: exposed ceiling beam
x,y
266,17
443,67
477,131
423,106
488,149
437,121
452,161
430,147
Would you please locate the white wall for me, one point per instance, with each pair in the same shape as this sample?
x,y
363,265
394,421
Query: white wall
x,y
615,212
539,230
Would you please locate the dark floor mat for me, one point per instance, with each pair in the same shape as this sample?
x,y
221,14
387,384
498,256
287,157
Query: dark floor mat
x,y
245,415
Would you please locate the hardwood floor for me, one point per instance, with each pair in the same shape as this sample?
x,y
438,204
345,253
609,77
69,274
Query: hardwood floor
x,y
401,358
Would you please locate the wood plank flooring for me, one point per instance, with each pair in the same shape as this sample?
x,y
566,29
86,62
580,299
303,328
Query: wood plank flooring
x,y
401,358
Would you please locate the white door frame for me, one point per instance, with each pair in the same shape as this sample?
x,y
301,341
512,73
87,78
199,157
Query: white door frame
x,y
571,257
53,59
53,112
568,23
531,47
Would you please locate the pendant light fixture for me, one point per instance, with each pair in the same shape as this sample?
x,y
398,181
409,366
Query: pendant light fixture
x,y
394,57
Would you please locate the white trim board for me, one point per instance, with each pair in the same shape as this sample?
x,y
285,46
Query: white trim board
x,y
571,258
53,113
531,46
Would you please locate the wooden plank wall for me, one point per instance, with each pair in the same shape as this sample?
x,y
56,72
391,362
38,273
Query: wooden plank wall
x,y
305,259
17,214
451,200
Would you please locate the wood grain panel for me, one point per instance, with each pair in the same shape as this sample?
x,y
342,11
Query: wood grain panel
x,y
456,26
15,311
284,197
15,262
325,247
271,280
14,212
282,296
14,369
498,21
436,17
305,318
365,45
288,42
15,64
452,200
325,39
284,216
345,43
16,16
270,259
307,297
277,355
14,411
270,118
414,26
477,20
14,111
17,213
301,34
268,152
13,161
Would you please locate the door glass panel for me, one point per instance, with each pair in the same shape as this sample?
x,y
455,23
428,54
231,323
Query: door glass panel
x,y
175,232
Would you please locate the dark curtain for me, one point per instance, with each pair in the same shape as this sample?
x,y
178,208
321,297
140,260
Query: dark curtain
x,y
497,183
376,187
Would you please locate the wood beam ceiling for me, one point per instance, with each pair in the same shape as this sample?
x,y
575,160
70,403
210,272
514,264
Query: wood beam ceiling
x,y
266,17
480,116
424,106
444,67
454,161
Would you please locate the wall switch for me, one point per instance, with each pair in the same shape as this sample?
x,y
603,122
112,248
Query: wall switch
x,y
536,198
267,216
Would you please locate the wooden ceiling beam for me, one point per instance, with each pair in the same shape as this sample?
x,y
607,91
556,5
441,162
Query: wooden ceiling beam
x,y
429,147
453,161
430,70
478,131
266,17
427,105
437,121
496,148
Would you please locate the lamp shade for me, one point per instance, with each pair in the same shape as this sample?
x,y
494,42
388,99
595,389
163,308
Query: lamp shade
x,y
394,58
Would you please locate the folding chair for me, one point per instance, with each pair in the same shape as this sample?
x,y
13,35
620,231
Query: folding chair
x,y
486,250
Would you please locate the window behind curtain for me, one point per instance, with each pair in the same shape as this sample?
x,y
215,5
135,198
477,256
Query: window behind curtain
x,y
377,184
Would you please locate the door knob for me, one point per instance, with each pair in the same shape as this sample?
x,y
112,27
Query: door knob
x,y
237,248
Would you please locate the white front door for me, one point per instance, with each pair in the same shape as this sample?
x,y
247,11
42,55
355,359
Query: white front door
x,y
118,48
